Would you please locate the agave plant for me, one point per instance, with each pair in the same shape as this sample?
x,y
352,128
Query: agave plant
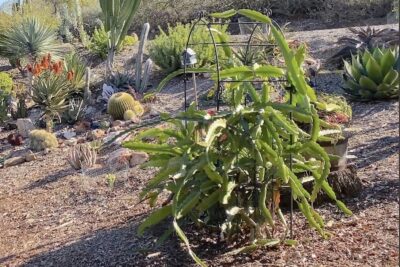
x,y
365,39
373,75
28,41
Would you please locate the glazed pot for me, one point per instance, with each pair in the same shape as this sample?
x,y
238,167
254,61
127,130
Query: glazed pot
x,y
339,150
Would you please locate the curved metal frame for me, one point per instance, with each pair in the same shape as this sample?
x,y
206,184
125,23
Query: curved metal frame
x,y
202,22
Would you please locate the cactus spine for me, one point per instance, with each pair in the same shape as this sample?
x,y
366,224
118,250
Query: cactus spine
x,y
87,94
140,86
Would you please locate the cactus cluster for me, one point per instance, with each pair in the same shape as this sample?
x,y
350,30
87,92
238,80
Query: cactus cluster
x,y
129,115
82,156
41,139
373,75
120,102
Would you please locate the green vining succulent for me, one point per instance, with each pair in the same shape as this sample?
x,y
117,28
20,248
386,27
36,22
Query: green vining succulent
x,y
119,103
373,75
222,169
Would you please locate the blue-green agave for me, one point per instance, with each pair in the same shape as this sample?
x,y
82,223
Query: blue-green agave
x,y
373,74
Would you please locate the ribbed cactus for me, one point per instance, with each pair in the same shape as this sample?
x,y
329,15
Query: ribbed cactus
x,y
148,69
121,102
139,57
87,95
82,156
118,16
41,139
129,115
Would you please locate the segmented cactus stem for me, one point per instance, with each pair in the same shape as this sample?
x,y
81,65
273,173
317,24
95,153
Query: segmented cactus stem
x,y
148,69
139,57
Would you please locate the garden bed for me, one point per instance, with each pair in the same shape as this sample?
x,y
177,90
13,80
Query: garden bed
x,y
52,215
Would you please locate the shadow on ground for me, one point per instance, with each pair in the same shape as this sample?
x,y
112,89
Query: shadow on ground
x,y
51,178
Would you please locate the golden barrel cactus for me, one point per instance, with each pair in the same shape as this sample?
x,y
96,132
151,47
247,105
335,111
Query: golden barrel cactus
x,y
41,139
119,103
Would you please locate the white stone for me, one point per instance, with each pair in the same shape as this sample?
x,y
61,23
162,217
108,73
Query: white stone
x,y
25,126
69,134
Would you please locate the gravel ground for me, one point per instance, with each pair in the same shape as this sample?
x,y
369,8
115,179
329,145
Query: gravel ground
x,y
51,215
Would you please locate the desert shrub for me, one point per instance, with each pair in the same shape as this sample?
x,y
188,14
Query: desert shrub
x,y
6,85
166,49
99,42
41,139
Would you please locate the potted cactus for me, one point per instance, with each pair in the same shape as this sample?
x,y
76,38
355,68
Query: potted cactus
x,y
373,75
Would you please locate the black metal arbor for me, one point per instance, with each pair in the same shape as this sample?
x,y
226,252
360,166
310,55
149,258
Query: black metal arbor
x,y
202,22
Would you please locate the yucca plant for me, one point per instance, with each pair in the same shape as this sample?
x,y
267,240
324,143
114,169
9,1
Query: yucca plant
x,y
373,75
28,41
225,169
118,16
365,39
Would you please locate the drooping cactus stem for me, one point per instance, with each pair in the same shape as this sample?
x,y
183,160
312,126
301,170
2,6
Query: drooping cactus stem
x,y
139,57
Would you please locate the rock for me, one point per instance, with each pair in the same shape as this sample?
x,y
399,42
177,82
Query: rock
x,y
138,158
30,156
154,113
115,129
107,92
71,142
82,127
13,161
96,134
119,159
46,151
25,126
90,111
69,134
117,123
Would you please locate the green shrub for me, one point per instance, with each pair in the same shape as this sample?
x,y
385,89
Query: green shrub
x,y
166,49
6,84
75,64
99,42
41,139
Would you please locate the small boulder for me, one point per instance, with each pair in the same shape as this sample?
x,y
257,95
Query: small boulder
x,y
69,135
138,158
25,126
117,123
96,134
119,159
13,161
30,156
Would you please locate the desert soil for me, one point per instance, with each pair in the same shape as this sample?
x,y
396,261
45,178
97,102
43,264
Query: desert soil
x,y
51,215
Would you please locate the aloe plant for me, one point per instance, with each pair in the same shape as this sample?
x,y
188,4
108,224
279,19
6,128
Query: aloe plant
x,y
373,75
223,168
118,16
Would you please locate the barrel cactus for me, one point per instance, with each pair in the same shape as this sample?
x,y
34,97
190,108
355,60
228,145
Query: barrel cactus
x,y
41,139
119,103
129,115
82,156
373,75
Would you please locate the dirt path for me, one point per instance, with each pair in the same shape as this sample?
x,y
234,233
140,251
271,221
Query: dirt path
x,y
52,216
